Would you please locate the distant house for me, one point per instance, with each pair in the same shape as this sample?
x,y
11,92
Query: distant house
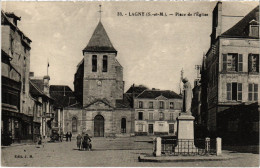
x,y
156,112
64,98
39,90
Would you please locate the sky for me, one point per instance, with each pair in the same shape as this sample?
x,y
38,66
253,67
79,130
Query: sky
x,y
152,49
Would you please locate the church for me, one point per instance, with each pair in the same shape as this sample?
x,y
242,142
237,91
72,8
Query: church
x,y
102,109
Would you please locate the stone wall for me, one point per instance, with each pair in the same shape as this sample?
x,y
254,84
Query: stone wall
x,y
102,85
69,113
128,114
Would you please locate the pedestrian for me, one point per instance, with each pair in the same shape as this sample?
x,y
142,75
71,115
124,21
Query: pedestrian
x,y
79,137
70,135
67,136
86,143
40,140
61,136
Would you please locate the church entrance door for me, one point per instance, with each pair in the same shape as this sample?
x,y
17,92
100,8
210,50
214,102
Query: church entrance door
x,y
99,126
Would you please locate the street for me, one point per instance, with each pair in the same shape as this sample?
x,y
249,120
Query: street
x,y
110,152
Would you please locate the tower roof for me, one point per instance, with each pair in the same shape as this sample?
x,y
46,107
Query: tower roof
x,y
100,41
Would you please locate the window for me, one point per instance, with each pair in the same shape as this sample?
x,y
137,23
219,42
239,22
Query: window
x,y
171,128
123,125
150,105
233,62
74,124
150,116
140,116
161,105
140,128
161,116
252,92
104,63
253,63
234,91
171,116
254,31
140,104
150,128
171,105
94,63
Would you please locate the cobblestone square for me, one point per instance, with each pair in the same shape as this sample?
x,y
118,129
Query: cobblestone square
x,y
121,152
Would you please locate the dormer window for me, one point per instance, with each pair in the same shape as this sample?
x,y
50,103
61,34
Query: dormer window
x,y
254,28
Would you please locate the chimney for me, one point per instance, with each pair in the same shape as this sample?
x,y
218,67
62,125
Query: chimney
x,y
46,86
216,22
31,74
12,17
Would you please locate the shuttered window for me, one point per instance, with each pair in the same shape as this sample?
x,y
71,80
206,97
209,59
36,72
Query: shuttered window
x,y
240,62
233,62
253,63
252,92
228,91
234,91
239,91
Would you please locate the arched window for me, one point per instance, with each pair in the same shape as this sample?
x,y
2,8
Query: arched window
x,y
123,125
94,63
104,63
74,124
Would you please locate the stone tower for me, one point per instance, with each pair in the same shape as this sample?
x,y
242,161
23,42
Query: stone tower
x,y
103,75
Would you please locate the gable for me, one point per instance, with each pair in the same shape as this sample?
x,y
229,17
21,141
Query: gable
x,y
161,97
98,105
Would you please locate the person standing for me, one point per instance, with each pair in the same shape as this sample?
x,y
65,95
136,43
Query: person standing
x,y
70,135
67,136
79,137
61,136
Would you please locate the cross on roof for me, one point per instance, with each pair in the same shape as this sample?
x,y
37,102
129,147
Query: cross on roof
x,y
100,11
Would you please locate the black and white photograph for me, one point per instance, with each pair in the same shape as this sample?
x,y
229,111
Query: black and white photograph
x,y
130,84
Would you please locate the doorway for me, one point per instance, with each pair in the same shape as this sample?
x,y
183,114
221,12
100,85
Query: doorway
x,y
99,126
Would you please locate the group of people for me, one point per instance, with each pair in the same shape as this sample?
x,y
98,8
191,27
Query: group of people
x,y
67,135
84,142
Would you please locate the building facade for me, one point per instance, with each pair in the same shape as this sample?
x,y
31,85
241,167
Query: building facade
x,y
156,112
230,77
40,91
17,117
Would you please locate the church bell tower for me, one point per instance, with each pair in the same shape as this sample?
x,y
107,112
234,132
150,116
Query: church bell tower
x,y
103,75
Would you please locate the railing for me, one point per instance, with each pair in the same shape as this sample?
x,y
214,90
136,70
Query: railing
x,y
188,147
